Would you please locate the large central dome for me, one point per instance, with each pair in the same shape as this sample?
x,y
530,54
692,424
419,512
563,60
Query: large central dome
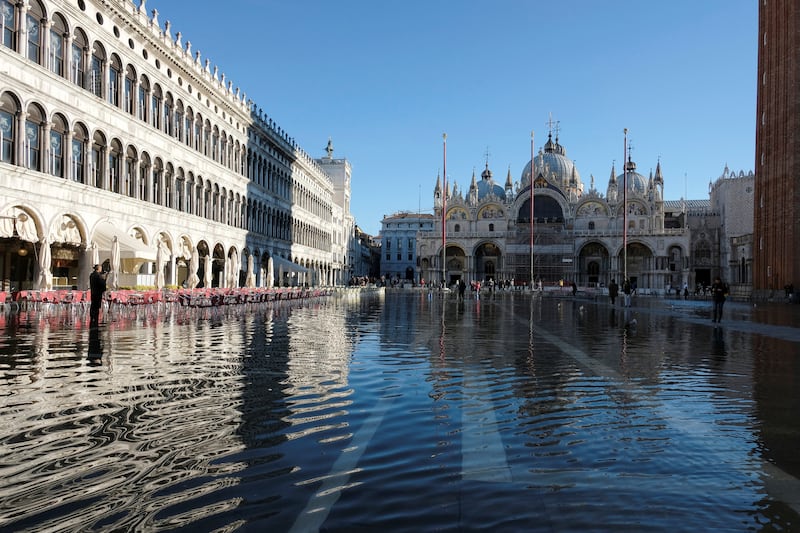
x,y
552,163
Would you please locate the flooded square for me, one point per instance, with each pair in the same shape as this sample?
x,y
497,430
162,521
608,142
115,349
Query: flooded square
x,y
402,410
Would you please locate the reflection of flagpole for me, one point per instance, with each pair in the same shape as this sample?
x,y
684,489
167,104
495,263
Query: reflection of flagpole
x,y
531,217
625,209
444,211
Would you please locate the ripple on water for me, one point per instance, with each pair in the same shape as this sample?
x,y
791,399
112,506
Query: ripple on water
x,y
363,412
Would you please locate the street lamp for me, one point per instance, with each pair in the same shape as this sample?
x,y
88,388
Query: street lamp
x,y
22,217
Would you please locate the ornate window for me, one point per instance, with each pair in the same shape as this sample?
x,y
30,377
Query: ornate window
x,y
33,25
33,138
79,142
96,66
58,135
77,72
9,108
56,54
8,23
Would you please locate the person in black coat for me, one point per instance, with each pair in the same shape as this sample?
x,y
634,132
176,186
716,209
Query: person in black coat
x,y
613,291
719,292
97,286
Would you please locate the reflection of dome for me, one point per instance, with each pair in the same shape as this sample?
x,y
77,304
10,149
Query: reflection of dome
x,y
554,165
636,182
488,186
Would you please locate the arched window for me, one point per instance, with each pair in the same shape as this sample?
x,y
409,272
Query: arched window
x,y
33,137
188,127
206,138
591,225
491,227
115,175
180,192
143,109
96,67
33,26
168,199
8,20
9,109
190,193
58,33
155,106
160,187
79,143
457,228
58,134
168,109
178,129
114,80
117,179
98,163
215,144
128,186
80,45
144,178
129,92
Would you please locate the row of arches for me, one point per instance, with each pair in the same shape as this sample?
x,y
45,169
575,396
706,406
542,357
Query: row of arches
x,y
67,51
594,264
69,147
73,247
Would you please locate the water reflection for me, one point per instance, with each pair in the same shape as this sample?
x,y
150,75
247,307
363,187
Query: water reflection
x,y
405,412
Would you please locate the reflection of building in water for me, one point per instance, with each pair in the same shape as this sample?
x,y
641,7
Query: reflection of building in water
x,y
579,230
320,340
111,126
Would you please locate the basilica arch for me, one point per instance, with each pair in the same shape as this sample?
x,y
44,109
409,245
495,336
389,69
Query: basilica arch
x,y
455,264
641,265
488,262
594,265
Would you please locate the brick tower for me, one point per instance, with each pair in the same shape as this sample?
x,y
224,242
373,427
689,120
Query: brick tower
x,y
777,185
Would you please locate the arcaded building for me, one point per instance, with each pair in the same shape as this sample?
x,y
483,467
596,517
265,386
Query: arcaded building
x,y
579,231
117,132
776,236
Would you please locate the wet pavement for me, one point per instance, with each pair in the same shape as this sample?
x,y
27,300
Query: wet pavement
x,y
404,411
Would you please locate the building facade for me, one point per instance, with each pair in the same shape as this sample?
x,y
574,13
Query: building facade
x,y
116,134
578,233
776,234
399,235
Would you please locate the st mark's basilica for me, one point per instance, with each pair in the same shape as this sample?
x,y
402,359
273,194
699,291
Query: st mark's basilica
x,y
578,230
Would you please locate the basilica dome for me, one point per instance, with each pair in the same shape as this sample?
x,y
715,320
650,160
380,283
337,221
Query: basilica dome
x,y
487,186
553,164
636,182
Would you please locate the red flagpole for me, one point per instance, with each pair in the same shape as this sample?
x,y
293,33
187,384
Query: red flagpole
x,y
444,212
533,149
625,209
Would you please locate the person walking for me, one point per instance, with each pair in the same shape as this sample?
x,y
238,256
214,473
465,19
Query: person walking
x,y
719,292
613,291
97,286
627,290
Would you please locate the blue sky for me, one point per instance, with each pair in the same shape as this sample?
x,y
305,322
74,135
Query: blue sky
x,y
384,80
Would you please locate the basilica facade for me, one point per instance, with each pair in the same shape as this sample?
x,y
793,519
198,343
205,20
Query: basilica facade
x,y
577,233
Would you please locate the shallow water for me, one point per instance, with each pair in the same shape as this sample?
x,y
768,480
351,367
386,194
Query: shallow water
x,y
400,412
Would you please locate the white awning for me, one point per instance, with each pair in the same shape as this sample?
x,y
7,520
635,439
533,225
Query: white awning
x,y
279,263
132,251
